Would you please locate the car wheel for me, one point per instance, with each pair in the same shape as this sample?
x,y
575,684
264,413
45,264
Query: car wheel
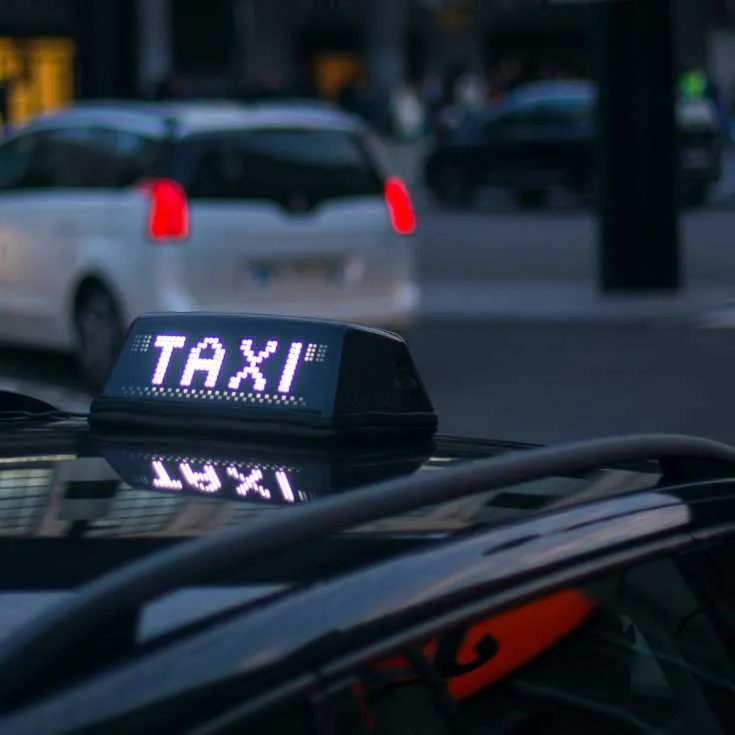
x,y
99,334
531,198
453,186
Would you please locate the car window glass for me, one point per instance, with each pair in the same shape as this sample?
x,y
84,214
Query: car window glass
x,y
546,112
279,164
67,158
130,155
638,651
15,156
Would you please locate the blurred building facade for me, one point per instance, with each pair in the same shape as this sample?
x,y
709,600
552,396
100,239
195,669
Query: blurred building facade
x,y
323,43
54,50
37,56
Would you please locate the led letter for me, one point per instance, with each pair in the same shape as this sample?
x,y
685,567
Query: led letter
x,y
251,370
289,369
205,481
211,365
163,480
250,483
285,485
167,344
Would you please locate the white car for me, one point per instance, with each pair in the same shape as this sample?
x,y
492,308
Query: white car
x,y
110,210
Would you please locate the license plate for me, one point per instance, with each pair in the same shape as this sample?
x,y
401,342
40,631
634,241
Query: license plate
x,y
302,271
697,158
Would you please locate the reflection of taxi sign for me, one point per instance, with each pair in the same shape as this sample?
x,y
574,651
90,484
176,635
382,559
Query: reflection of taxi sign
x,y
259,373
253,482
264,474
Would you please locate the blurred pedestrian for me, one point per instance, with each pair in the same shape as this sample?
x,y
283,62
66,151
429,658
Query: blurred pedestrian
x,y
470,91
407,113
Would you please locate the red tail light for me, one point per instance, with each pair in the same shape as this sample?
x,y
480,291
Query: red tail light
x,y
168,218
400,207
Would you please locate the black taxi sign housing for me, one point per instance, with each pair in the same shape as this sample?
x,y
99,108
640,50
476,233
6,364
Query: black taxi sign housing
x,y
253,374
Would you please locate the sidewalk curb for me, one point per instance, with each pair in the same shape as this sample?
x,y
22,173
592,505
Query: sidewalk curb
x,y
541,303
718,318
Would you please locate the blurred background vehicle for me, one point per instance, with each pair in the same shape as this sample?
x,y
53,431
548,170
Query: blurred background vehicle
x,y
543,135
111,210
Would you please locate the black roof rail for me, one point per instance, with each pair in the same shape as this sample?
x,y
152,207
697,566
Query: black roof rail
x,y
58,631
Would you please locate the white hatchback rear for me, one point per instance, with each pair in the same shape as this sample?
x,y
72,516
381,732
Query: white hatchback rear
x,y
110,211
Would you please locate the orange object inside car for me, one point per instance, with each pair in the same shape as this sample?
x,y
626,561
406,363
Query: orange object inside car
x,y
493,648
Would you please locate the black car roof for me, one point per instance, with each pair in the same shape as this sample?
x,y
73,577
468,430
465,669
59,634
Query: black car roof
x,y
430,582
74,507
56,482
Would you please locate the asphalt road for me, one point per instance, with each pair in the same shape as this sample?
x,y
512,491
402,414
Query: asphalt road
x,y
542,382
506,246
547,383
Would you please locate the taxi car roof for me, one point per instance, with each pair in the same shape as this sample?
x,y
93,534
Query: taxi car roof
x,y
431,561
256,640
55,484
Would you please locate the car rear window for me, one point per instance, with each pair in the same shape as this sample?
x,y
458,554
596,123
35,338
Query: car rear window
x,y
275,164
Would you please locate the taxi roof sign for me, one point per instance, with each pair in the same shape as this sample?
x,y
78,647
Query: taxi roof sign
x,y
253,374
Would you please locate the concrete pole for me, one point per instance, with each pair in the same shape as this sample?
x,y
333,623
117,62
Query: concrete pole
x,y
386,64
154,32
264,40
639,225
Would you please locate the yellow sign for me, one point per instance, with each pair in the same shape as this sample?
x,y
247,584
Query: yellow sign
x,y
333,71
38,75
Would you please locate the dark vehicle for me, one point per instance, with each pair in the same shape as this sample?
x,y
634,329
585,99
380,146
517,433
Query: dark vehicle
x,y
543,136
326,564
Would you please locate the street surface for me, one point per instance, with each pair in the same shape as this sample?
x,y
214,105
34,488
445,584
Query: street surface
x,y
546,383
533,379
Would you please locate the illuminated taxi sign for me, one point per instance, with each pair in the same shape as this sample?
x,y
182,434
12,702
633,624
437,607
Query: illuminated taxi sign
x,y
202,372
